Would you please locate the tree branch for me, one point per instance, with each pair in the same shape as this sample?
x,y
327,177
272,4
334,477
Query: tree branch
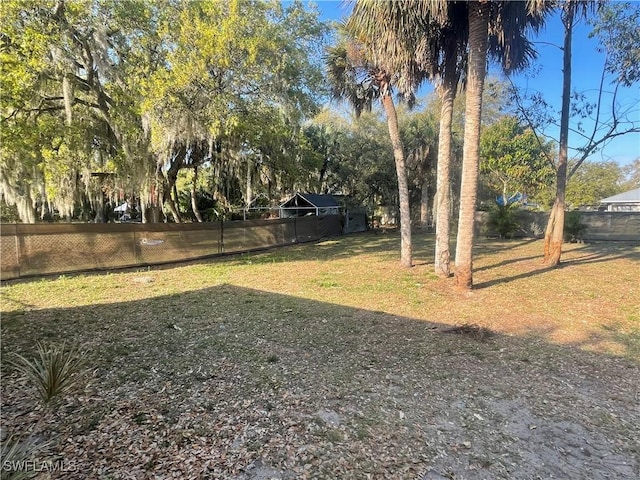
x,y
524,113
610,133
588,150
549,44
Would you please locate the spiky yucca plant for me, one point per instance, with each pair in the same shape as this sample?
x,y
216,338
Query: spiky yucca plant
x,y
53,372
15,453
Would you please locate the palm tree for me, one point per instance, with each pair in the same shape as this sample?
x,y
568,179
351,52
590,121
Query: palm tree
x,y
422,39
429,39
452,39
355,79
499,28
394,36
476,71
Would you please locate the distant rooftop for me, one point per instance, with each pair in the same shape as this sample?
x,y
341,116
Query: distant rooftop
x,y
632,196
315,199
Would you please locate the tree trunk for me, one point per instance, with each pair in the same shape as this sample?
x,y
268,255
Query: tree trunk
x,y
504,193
153,214
447,91
323,170
170,184
100,217
403,187
478,33
554,232
194,200
249,191
169,188
553,249
424,204
143,207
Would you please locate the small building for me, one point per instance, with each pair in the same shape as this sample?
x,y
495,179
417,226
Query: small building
x,y
623,202
302,204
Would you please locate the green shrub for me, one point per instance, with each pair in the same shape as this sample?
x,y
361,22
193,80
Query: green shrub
x,y
574,229
502,219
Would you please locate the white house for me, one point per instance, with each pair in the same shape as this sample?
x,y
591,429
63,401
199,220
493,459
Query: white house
x,y
623,202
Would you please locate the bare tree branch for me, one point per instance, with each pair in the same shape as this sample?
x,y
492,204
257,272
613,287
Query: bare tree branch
x,y
530,123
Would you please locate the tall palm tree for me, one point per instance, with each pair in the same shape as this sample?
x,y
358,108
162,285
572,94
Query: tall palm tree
x,y
452,38
499,28
429,39
476,70
355,79
393,35
422,39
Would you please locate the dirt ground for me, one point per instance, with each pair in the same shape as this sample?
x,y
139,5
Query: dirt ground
x,y
200,376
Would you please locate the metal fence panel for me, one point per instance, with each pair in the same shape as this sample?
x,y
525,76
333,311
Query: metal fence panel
x,y
243,236
171,245
66,252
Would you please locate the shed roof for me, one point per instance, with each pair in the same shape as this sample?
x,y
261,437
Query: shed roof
x,y
632,196
315,199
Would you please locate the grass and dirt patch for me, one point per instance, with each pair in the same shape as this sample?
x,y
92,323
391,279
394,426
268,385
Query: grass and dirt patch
x,y
329,360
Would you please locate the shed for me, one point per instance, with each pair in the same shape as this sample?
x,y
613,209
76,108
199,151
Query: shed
x,y
302,204
623,202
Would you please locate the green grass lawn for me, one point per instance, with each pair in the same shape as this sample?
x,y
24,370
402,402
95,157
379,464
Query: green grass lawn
x,y
329,360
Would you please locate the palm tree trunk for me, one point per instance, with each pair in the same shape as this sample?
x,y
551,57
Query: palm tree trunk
x,y
554,232
447,91
403,187
477,66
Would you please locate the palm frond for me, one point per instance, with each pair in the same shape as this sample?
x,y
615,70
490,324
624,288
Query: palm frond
x,y
399,38
509,26
427,39
349,76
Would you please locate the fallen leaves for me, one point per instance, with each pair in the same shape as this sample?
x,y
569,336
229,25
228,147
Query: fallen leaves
x,y
228,382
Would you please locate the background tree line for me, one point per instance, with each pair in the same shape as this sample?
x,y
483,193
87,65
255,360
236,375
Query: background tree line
x,y
107,100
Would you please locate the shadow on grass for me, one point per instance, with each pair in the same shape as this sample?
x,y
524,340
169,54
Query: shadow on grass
x,y
496,245
332,391
606,250
590,253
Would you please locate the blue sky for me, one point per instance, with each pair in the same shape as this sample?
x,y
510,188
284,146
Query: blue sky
x,y
586,71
